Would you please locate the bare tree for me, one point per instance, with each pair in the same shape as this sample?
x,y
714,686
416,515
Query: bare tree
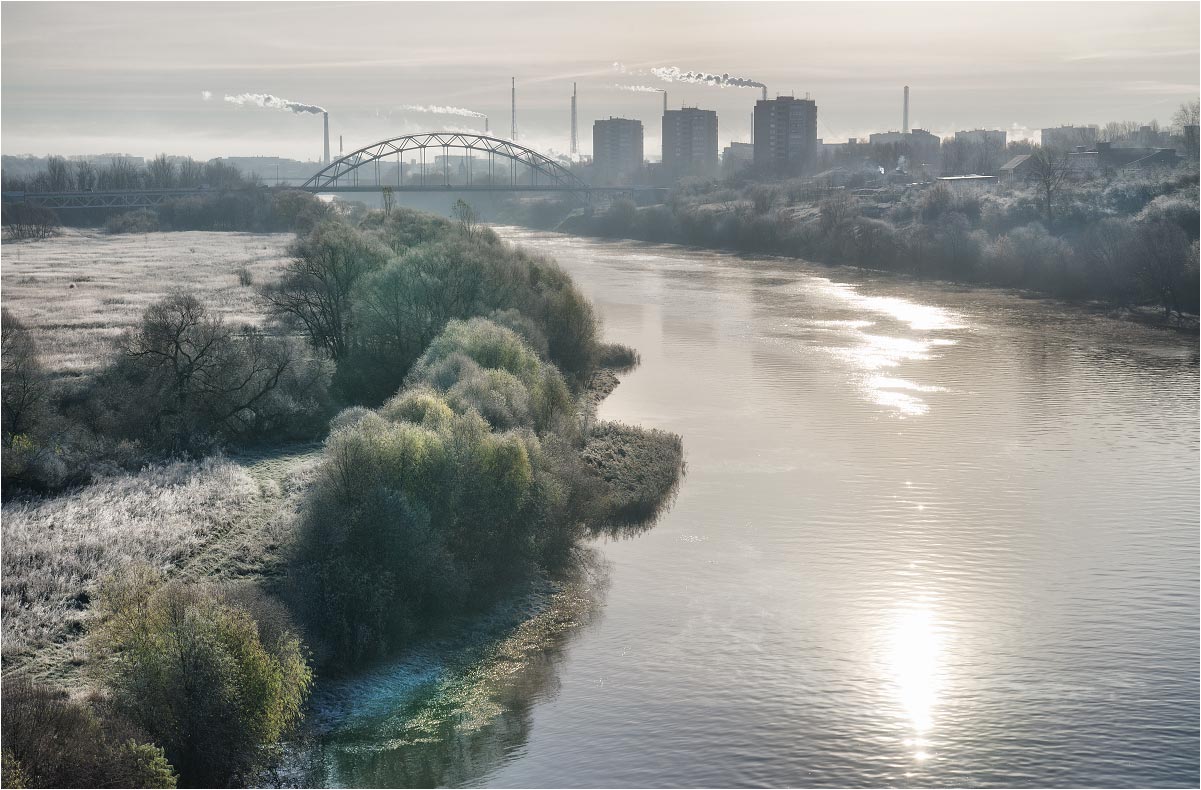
x,y
27,221
25,390
85,175
199,373
161,172
191,173
1187,115
315,290
58,173
468,219
1162,261
1049,170
119,174
389,200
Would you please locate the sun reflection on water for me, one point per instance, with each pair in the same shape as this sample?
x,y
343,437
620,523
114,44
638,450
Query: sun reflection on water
x,y
914,656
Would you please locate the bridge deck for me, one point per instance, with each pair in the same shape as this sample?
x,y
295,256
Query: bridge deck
x,y
148,198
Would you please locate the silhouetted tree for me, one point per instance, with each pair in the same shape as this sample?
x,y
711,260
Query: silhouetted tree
x,y
1049,171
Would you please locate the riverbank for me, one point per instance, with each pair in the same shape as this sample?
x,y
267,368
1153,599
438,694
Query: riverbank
x,y
1129,242
471,483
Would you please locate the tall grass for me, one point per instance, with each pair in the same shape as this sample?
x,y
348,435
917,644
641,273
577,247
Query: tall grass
x,y
78,292
56,550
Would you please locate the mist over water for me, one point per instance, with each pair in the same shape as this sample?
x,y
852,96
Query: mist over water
x,y
929,536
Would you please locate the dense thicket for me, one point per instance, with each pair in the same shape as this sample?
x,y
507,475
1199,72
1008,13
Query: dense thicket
x,y
465,482
1127,240
373,297
50,740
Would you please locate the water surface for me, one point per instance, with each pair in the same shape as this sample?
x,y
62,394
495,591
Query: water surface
x,y
929,536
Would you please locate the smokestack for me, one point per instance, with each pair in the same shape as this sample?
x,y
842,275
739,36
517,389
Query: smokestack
x,y
664,101
764,93
905,122
485,124
575,147
513,132
339,146
326,116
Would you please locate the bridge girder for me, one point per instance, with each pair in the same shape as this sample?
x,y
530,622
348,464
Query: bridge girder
x,y
553,175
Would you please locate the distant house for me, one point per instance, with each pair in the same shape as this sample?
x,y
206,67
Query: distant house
x,y
1020,167
969,183
1105,158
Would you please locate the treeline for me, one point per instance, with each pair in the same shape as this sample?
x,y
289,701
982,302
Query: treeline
x,y
476,474
230,202
162,172
1127,241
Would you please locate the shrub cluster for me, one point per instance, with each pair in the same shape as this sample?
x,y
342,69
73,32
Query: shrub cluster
x,y
462,484
374,297
28,221
142,220
51,740
183,381
210,683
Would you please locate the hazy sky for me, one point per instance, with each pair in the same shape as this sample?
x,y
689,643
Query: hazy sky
x,y
101,77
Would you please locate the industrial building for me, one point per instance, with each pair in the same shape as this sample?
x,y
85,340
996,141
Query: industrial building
x,y
919,145
616,151
785,136
1066,138
689,142
993,139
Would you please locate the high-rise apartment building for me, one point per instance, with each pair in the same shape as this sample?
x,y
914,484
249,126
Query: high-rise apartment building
x,y
616,151
689,142
785,135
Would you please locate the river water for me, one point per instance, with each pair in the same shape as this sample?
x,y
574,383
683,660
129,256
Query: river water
x,y
928,536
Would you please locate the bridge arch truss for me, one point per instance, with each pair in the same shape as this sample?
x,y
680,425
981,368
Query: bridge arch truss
x,y
487,163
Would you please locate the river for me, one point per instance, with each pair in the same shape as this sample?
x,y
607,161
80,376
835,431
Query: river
x,y
928,536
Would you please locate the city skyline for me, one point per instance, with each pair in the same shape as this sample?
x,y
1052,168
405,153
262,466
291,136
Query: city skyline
x,y
1122,62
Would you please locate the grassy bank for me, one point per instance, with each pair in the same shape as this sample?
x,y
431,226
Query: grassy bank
x,y
463,466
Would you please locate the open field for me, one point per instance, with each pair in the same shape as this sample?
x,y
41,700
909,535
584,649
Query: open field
x,y
217,520
79,291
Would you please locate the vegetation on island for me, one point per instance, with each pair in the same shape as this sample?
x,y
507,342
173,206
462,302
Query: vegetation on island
x,y
455,377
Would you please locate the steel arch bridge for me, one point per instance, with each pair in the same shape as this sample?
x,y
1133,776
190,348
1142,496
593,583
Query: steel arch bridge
x,y
504,166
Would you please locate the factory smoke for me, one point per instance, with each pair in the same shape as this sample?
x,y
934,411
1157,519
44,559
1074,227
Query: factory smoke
x,y
638,88
206,95
270,102
675,74
440,110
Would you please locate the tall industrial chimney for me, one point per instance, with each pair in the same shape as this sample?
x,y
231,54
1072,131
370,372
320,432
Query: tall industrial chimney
x,y
764,93
326,115
575,142
905,123
664,101
513,132
339,146
485,124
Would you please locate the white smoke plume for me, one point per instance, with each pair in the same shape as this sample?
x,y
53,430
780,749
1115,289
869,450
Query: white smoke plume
x,y
638,88
675,74
440,110
206,95
273,102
